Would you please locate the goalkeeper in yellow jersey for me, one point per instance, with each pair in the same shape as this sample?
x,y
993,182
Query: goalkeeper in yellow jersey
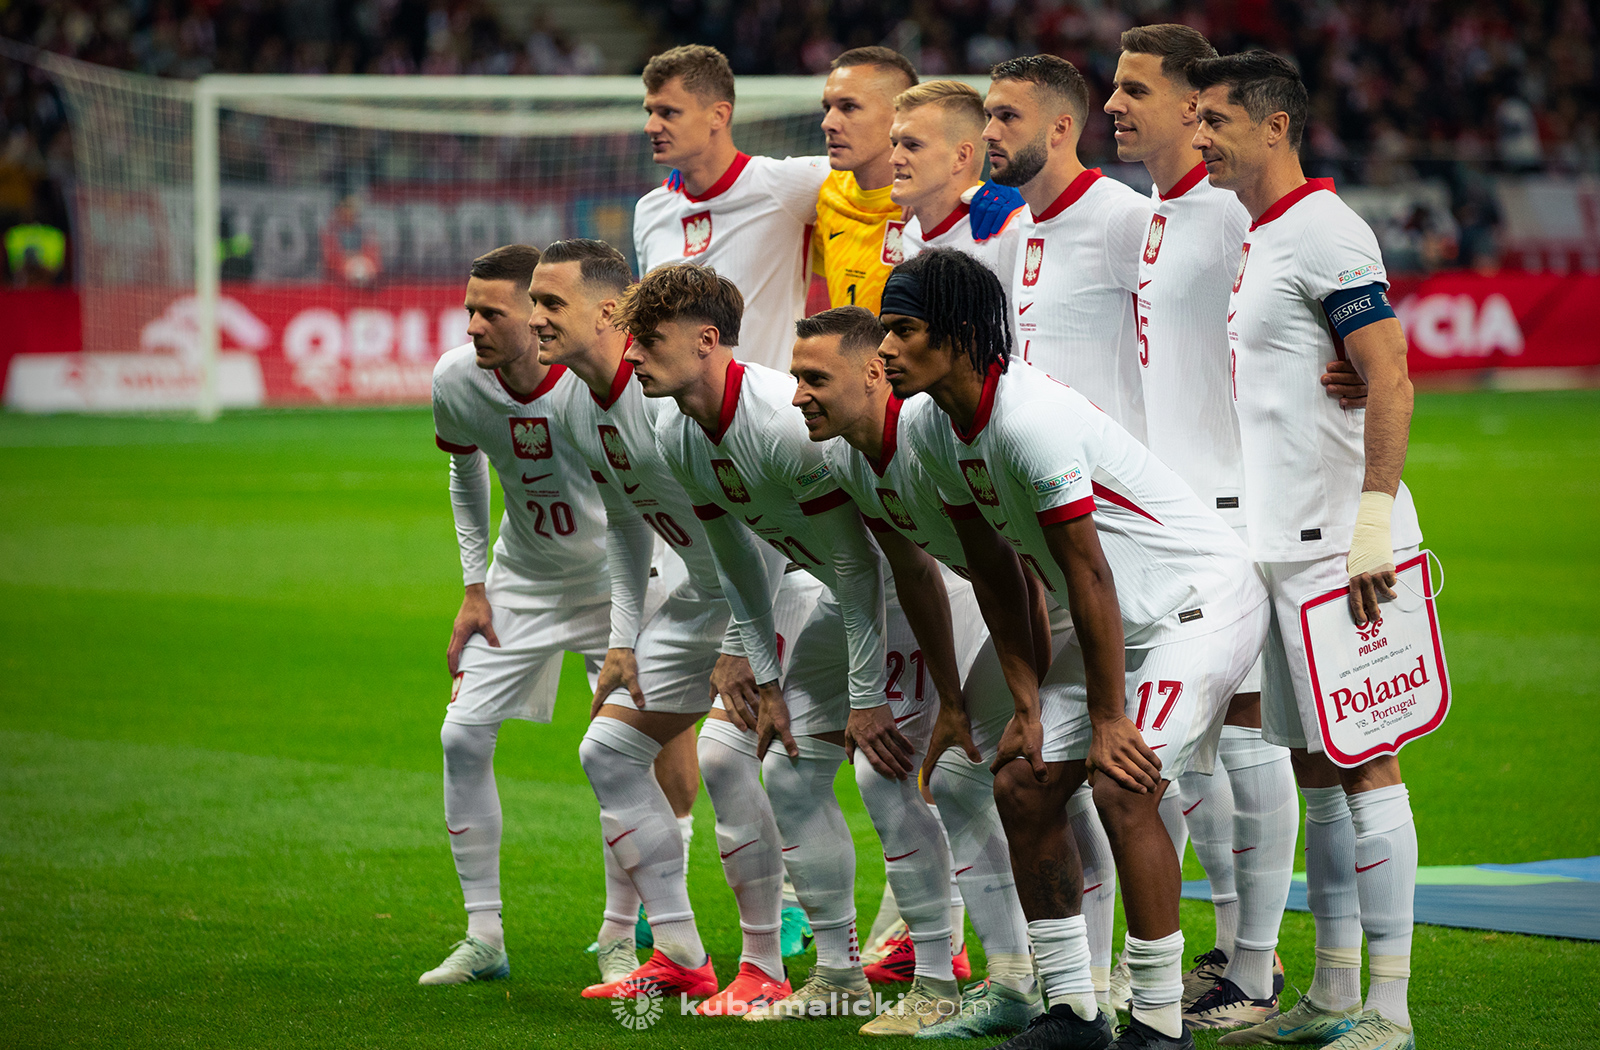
x,y
856,240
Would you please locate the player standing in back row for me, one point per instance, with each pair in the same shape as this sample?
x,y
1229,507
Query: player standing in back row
x,y
546,592
1310,283
748,217
1077,269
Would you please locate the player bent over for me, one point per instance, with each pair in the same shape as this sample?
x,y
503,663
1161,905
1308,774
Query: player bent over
x,y
663,651
1167,615
847,404
545,593
740,448
1310,282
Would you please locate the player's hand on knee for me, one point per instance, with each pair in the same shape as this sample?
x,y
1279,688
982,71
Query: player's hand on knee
x,y
872,731
476,617
620,670
773,722
1344,384
1118,750
1367,590
951,728
732,679
1023,738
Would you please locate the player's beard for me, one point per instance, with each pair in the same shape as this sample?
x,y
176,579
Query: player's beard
x,y
1023,166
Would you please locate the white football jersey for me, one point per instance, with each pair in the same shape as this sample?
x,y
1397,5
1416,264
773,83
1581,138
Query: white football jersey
x,y
1038,453
1186,272
998,252
752,227
1302,452
1073,289
897,492
553,534
761,467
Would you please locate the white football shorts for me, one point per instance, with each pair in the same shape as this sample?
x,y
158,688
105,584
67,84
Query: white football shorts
x,y
1176,694
1288,706
676,652
520,678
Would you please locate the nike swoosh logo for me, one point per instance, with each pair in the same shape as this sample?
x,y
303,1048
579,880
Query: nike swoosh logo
x,y
902,856
537,477
1369,867
1091,889
1157,747
786,849
967,868
755,519
1024,308
1001,527
1192,808
831,236
902,718
1143,283
1231,313
736,849
1332,1033
1247,849
453,831
619,838
629,489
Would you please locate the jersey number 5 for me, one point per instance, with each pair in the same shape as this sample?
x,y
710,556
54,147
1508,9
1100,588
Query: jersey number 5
x,y
1144,342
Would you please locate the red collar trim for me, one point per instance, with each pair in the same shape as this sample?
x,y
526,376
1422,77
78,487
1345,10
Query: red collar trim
x,y
619,383
733,380
891,437
980,419
550,379
949,221
1070,195
728,178
1290,199
1187,183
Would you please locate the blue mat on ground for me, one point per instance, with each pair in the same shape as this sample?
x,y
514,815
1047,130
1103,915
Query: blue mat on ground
x,y
1550,898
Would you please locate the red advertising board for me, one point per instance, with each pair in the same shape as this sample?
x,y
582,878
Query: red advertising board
x,y
332,344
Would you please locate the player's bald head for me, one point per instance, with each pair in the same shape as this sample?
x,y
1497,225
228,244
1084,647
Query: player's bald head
x,y
1054,81
858,330
960,107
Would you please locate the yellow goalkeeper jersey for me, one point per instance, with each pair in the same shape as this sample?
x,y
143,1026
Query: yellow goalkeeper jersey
x,y
856,240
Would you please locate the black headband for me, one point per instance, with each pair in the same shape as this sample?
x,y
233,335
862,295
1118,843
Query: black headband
x,y
902,294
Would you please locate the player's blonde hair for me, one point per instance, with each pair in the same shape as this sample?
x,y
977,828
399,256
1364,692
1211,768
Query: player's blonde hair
x,y
961,103
682,290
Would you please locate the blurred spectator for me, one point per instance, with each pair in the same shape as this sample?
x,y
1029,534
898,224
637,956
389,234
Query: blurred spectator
x,y
36,254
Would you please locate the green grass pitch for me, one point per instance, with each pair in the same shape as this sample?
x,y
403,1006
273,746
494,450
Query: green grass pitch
x,y
223,676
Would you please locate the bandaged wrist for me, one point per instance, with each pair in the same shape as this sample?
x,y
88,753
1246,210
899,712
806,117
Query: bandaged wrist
x,y
1370,545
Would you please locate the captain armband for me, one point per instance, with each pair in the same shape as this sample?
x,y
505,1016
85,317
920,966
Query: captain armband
x,y
1352,309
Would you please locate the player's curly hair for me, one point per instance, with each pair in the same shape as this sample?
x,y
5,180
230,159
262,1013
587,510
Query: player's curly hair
x,y
682,290
966,306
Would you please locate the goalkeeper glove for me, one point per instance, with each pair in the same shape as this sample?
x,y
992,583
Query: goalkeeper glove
x,y
990,207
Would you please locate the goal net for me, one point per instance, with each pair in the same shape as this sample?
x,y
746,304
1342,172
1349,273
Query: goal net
x,y
250,240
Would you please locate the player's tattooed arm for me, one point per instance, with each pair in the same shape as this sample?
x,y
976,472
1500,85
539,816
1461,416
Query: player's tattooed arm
x,y
1117,748
475,617
1000,586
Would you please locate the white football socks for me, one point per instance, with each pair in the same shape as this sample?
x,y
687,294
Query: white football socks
x,y
958,907
818,852
622,900
642,832
981,863
1155,969
1265,826
1386,879
1177,828
1331,895
747,840
1099,883
888,915
472,818
916,861
1061,955
1206,804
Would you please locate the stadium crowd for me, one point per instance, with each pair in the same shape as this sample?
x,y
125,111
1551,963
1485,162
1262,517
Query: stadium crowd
x,y
1417,89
